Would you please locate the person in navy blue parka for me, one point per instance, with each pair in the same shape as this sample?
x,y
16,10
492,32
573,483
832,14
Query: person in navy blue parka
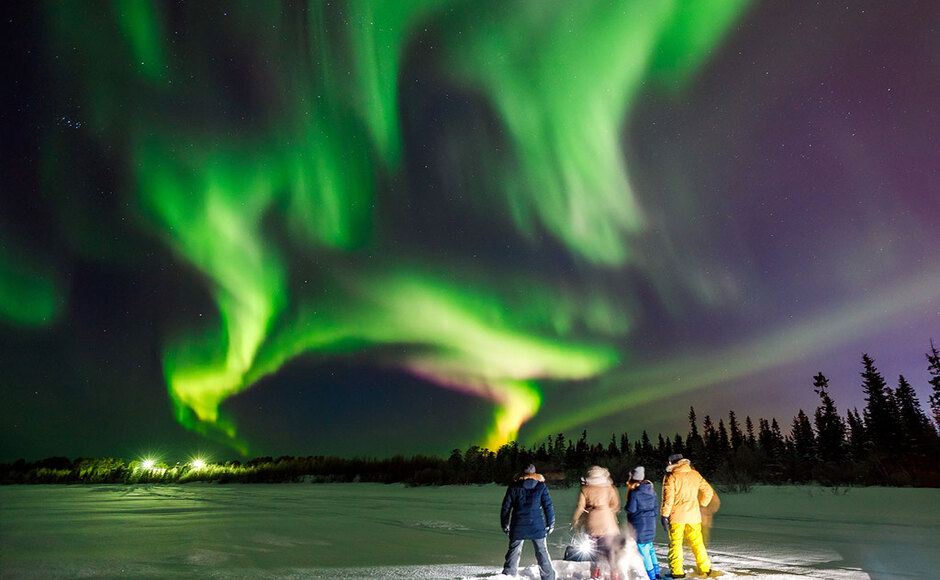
x,y
642,509
528,514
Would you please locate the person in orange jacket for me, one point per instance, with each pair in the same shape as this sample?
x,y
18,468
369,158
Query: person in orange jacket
x,y
685,493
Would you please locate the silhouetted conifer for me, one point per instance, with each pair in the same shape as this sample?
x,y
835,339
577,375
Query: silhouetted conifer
x,y
677,445
830,428
933,368
804,441
712,447
880,412
771,448
858,438
916,432
724,445
737,438
751,440
646,448
694,444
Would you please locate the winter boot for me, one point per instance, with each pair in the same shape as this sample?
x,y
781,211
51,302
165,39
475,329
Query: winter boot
x,y
614,575
595,572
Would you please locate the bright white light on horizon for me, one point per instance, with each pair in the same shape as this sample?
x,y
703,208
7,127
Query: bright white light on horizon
x,y
198,464
147,463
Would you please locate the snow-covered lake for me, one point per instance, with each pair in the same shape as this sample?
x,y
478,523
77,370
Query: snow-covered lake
x,y
373,531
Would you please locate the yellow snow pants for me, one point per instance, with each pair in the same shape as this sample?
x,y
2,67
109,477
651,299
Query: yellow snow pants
x,y
692,533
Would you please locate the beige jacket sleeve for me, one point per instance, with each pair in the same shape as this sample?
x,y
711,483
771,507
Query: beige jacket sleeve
x,y
614,500
582,503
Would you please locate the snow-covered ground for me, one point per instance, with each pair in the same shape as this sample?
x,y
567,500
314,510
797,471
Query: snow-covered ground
x,y
373,531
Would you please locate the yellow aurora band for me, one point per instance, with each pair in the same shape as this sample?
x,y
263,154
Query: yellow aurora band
x,y
274,202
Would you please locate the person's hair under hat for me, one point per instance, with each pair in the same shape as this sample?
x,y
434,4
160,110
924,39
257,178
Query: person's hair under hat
x,y
675,458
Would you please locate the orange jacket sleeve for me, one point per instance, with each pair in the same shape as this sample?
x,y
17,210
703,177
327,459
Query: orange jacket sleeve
x,y
669,496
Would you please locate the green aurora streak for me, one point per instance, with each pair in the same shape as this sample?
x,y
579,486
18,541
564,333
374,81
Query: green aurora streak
x,y
262,201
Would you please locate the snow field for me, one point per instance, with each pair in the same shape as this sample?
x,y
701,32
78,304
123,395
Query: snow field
x,y
372,531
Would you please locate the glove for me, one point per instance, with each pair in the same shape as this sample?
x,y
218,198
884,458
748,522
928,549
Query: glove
x,y
549,529
664,520
506,530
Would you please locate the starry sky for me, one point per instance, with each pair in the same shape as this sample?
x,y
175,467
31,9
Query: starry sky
x,y
368,228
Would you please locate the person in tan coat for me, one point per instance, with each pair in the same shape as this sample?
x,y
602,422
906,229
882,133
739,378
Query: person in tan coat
x,y
685,493
596,515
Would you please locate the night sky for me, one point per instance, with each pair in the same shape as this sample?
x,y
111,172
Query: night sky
x,y
369,228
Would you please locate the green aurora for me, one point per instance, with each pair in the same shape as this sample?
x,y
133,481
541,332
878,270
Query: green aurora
x,y
269,177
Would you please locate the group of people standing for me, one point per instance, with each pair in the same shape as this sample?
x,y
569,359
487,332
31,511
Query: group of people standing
x,y
528,514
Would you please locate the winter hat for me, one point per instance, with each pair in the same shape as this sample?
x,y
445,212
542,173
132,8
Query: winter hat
x,y
675,458
529,469
597,475
638,473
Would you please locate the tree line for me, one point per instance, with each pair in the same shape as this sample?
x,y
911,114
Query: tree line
x,y
892,441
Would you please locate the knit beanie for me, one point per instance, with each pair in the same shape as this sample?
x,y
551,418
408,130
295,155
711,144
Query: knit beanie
x,y
529,469
638,473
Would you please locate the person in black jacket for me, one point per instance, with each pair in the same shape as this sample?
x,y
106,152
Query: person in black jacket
x,y
528,514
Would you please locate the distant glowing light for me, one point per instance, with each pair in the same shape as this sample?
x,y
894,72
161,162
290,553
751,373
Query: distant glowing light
x,y
197,463
147,464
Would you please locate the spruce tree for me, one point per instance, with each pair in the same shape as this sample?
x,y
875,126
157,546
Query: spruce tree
x,y
858,438
693,426
612,449
933,358
771,445
646,448
737,438
880,411
764,437
694,445
712,448
749,429
710,435
804,442
560,449
624,445
915,428
677,445
830,428
724,445
777,435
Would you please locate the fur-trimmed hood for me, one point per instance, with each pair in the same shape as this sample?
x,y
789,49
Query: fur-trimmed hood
x,y
634,483
597,476
530,480
683,463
